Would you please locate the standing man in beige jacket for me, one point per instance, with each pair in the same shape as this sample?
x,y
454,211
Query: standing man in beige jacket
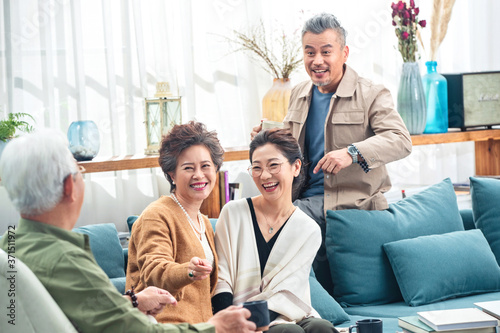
x,y
347,127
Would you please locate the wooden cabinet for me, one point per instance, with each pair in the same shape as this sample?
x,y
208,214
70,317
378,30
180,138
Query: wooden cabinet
x,y
487,147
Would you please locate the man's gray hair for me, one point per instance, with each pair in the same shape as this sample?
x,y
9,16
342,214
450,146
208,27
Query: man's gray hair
x,y
321,22
33,168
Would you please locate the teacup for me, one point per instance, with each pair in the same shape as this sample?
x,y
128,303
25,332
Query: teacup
x,y
367,326
268,124
260,314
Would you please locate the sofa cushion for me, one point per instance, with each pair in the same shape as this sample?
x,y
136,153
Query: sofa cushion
x,y
130,221
361,272
437,267
325,304
401,309
106,248
485,195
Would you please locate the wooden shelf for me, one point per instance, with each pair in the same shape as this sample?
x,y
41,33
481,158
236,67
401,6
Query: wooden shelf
x,y
131,162
474,135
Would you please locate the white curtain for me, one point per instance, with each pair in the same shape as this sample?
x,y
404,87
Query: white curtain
x,y
68,60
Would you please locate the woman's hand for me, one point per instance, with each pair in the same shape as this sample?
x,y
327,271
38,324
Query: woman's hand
x,y
199,269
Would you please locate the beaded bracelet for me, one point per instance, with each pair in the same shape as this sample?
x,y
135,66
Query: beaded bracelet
x,y
133,297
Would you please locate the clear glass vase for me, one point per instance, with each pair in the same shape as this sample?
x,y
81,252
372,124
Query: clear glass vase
x,y
84,140
436,95
411,98
275,101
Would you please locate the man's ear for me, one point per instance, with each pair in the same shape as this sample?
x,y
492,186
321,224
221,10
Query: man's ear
x,y
69,187
345,52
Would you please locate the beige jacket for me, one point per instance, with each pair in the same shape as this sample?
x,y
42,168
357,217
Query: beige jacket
x,y
361,113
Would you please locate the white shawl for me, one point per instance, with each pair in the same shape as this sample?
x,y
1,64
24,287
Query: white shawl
x,y
285,284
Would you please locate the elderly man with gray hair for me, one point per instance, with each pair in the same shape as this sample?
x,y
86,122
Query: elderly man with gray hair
x,y
347,127
46,186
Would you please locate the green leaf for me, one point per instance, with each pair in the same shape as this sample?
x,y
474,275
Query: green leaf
x,y
14,123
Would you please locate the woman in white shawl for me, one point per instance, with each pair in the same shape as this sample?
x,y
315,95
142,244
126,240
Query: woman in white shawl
x,y
266,245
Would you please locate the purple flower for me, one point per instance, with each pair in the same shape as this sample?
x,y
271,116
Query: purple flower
x,y
404,19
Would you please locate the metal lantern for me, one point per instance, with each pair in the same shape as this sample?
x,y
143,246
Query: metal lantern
x,y
162,113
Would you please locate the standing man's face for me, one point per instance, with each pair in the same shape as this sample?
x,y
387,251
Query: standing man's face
x,y
324,59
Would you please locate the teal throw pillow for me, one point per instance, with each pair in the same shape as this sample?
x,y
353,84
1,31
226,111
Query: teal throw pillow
x,y
324,304
361,272
434,268
485,194
106,248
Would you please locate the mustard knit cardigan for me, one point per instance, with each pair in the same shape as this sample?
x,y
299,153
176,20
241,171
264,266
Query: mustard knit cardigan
x,y
160,248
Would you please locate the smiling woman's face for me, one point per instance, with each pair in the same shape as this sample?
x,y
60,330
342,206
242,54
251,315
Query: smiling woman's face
x,y
273,185
195,174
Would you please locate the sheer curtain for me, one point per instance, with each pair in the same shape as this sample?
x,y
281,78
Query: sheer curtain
x,y
67,60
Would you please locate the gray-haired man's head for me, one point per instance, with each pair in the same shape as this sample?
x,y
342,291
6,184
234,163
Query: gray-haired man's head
x,y
321,22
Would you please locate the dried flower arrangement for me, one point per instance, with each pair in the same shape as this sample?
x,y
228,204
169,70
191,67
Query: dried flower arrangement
x,y
441,15
404,18
280,66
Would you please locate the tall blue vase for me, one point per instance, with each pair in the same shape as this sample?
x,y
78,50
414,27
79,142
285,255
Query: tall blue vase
x,y
84,140
436,95
411,98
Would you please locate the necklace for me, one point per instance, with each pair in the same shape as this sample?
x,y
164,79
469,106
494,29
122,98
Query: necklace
x,y
196,230
271,227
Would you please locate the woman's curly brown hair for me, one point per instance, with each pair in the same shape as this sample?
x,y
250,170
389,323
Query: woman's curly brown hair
x,y
182,137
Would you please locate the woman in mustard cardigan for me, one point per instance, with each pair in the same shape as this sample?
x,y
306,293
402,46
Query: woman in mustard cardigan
x,y
172,243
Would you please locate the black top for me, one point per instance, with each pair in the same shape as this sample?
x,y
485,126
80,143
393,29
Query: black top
x,y
263,247
223,300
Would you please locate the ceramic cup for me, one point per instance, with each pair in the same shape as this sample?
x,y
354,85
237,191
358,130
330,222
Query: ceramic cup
x,y
367,326
268,124
260,314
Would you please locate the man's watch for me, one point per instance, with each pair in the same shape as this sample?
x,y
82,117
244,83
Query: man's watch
x,y
353,152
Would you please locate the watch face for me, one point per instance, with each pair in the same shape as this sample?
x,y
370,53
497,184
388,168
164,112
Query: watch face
x,y
351,150
354,153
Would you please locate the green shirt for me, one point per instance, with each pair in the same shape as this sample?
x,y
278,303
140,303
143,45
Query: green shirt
x,y
63,262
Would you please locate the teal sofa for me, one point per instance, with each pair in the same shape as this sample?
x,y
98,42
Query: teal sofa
x,y
421,254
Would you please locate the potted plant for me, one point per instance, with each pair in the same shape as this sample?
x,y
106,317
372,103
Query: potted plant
x,y
280,57
12,125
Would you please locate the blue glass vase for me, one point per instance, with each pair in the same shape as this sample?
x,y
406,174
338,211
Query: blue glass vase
x,y
84,140
411,98
436,95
